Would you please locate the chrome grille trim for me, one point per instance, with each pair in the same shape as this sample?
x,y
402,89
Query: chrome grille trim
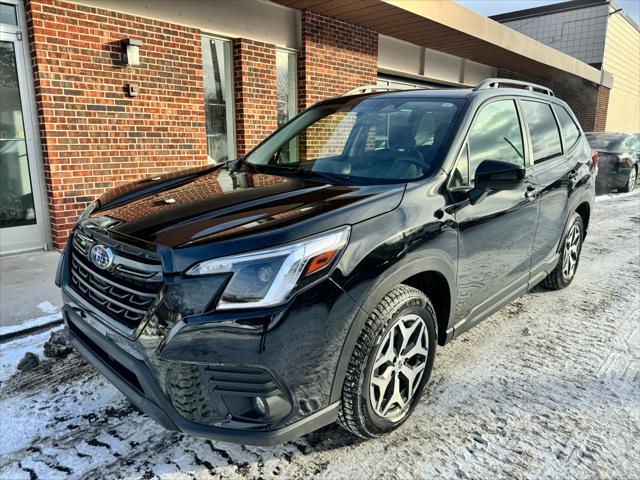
x,y
126,291
96,291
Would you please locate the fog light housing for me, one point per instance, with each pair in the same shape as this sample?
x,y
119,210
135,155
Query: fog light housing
x,y
260,406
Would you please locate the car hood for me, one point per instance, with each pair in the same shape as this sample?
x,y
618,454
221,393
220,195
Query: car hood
x,y
236,211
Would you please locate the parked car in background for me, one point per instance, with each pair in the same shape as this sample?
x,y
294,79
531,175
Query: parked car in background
x,y
261,299
619,160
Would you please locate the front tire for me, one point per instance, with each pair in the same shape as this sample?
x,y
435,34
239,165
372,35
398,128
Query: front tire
x,y
390,365
565,270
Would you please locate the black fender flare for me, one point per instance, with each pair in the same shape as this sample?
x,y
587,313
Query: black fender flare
x,y
430,261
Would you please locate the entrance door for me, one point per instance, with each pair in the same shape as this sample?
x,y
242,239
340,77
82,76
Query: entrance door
x,y
21,207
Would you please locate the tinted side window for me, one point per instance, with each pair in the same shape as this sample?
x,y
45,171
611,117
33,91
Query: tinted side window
x,y
494,135
545,137
570,132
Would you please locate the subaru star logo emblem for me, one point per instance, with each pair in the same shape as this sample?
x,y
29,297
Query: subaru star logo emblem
x,y
101,256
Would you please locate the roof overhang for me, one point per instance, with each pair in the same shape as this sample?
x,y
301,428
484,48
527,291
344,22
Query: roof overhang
x,y
448,27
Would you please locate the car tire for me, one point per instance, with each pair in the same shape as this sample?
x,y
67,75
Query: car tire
x,y
571,246
404,320
631,181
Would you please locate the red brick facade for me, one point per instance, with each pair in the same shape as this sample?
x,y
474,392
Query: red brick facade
x,y
254,68
335,56
93,135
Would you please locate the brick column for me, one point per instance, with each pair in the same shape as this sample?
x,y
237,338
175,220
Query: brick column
x,y
254,67
588,101
335,56
94,136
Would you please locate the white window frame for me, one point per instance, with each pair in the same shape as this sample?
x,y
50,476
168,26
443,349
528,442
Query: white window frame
x,y
230,91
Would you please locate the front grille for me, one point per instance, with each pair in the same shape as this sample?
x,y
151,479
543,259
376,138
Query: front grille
x,y
124,292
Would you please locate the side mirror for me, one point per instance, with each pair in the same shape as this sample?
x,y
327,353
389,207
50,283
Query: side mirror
x,y
495,175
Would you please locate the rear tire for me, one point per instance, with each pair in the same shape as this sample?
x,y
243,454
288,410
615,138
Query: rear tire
x,y
631,181
565,270
390,364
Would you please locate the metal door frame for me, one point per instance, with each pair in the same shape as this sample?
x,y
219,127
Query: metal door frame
x,y
38,236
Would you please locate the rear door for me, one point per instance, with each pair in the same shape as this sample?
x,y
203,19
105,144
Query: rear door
x,y
495,236
557,161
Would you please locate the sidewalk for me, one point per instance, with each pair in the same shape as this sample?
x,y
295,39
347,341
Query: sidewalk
x,y
28,295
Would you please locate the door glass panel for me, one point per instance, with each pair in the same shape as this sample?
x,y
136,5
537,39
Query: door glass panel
x,y
570,132
495,135
218,98
16,197
545,137
287,98
8,14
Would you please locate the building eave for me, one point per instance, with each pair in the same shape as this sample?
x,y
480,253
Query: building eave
x,y
451,28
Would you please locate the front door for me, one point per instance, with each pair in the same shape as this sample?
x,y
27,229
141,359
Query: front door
x,y
495,236
21,197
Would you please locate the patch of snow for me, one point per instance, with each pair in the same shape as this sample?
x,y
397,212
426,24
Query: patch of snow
x,y
48,307
11,352
35,322
613,196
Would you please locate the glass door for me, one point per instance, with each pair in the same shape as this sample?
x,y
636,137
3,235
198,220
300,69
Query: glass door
x,y
20,192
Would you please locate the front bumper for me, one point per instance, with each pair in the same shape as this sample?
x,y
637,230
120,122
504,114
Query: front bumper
x,y
138,383
175,354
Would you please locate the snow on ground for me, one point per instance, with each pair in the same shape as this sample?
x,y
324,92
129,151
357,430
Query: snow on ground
x,y
549,387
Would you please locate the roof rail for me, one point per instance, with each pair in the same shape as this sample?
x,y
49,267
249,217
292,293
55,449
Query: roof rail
x,y
498,82
369,89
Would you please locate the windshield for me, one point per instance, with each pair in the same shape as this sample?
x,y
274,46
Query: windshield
x,y
362,140
609,143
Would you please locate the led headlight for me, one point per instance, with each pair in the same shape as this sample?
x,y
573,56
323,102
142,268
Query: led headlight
x,y
88,211
265,278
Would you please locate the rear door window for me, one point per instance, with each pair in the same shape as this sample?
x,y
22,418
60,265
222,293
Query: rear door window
x,y
570,131
543,129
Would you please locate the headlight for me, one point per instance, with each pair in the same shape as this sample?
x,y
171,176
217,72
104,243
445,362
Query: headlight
x,y
265,278
88,211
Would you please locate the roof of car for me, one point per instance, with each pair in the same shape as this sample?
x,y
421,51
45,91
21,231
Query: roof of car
x,y
427,92
457,93
609,135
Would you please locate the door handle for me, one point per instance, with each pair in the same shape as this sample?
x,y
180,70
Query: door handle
x,y
531,193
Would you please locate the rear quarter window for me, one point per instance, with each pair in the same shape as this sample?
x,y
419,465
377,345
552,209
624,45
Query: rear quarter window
x,y
543,129
570,131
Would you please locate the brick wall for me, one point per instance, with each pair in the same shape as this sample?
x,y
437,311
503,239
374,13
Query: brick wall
x,y
254,65
94,136
589,102
335,56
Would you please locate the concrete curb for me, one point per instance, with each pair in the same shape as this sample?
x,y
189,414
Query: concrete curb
x,y
6,337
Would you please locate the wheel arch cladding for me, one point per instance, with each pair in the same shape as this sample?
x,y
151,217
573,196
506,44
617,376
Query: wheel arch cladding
x,y
584,210
437,284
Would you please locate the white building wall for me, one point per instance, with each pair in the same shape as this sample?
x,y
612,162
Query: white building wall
x,y
400,57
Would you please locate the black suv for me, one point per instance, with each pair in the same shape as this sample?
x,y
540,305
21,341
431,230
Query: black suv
x,y
311,281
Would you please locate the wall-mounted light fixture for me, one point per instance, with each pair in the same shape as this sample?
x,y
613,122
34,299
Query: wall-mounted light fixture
x,y
131,51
